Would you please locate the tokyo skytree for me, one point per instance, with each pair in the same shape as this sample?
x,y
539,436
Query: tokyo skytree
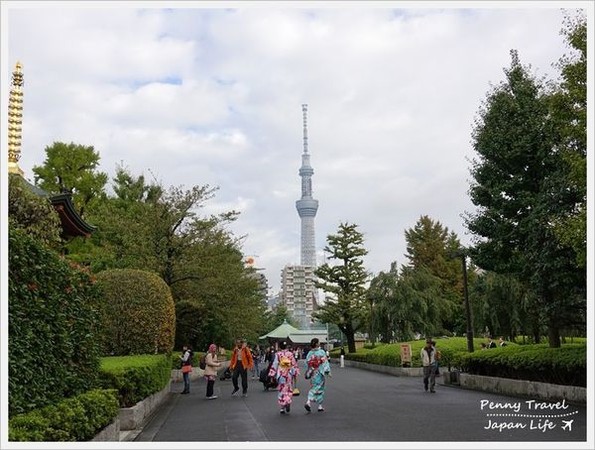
x,y
307,206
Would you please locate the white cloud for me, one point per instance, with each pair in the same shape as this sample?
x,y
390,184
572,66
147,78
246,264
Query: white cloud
x,y
213,96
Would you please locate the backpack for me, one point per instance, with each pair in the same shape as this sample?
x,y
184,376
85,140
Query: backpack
x,y
203,362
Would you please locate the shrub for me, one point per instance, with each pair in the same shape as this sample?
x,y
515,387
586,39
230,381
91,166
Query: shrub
x,y
566,365
52,349
137,313
135,377
32,213
78,418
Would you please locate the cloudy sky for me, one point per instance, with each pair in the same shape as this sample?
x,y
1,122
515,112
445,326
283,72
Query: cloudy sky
x,y
213,95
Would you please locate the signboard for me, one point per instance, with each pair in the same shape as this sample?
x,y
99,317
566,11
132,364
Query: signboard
x,y
406,354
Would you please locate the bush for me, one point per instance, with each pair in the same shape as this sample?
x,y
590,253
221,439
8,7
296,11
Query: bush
x,y
137,313
135,377
566,365
32,213
78,418
52,349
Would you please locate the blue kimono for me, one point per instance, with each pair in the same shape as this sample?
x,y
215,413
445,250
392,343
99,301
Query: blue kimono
x,y
318,368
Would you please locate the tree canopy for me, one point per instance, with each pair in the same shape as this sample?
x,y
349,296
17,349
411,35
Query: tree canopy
x,y
345,282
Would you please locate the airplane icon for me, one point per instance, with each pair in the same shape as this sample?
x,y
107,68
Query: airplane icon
x,y
567,425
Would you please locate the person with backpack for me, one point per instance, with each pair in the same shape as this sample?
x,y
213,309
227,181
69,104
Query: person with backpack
x,y
211,365
186,359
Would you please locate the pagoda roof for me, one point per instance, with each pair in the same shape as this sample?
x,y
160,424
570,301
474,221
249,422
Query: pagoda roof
x,y
72,223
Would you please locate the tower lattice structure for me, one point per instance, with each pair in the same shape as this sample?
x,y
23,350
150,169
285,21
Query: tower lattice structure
x,y
307,206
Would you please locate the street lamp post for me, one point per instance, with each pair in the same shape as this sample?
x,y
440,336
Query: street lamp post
x,y
467,306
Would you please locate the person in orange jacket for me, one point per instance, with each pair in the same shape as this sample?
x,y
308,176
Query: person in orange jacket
x,y
241,362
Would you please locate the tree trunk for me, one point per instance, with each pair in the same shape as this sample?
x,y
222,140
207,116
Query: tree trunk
x,y
350,335
553,333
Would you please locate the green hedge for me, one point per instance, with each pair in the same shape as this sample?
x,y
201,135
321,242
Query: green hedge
x,y
78,418
566,365
135,377
53,352
390,354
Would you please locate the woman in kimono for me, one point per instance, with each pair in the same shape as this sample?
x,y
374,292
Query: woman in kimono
x,y
285,370
317,371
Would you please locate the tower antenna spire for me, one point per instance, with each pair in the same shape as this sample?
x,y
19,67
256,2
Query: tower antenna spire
x,y
305,114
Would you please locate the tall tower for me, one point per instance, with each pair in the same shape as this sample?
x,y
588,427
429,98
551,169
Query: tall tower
x,y
15,120
307,206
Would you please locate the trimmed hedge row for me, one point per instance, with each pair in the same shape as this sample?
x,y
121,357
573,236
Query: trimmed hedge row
x,y
566,365
77,418
135,377
52,350
390,354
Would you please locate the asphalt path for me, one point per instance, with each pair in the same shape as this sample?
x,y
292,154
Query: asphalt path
x,y
363,406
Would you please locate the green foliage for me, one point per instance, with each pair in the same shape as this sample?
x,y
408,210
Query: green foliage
x,y
433,248
566,365
568,107
78,418
71,168
502,305
345,281
390,354
518,195
135,377
32,213
52,349
148,227
189,318
137,313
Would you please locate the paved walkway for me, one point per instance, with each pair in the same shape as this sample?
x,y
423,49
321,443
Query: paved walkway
x,y
363,406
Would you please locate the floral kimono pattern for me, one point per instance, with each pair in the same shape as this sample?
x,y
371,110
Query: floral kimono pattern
x,y
285,370
318,367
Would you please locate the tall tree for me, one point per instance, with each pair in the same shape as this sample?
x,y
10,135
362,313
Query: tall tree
x,y
512,188
71,168
568,108
346,305
431,246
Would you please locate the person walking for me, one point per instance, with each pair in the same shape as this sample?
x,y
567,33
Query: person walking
x,y
285,370
256,358
241,362
428,360
318,368
212,364
186,359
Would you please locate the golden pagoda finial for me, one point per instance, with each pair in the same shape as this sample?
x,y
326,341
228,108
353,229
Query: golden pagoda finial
x,y
15,120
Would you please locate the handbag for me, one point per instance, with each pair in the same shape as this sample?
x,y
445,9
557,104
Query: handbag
x,y
187,369
309,373
296,391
